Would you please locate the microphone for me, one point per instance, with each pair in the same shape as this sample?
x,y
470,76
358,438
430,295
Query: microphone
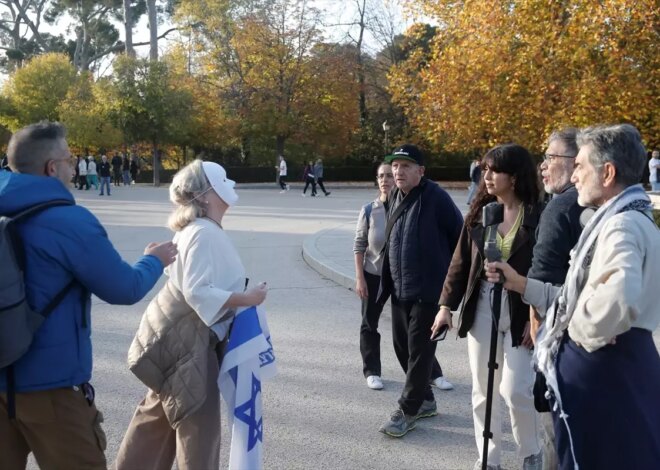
x,y
492,216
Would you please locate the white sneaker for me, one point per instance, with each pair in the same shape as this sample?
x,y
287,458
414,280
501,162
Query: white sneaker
x,y
288,187
303,195
374,382
283,191
442,383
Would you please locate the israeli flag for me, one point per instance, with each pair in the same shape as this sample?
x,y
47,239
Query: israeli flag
x,y
248,360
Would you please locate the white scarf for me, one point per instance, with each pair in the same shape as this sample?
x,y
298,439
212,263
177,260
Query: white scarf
x,y
550,336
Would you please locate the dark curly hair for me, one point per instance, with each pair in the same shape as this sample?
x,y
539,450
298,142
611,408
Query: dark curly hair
x,y
514,160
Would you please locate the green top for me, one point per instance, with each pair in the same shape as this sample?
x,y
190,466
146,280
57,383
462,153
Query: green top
x,y
505,243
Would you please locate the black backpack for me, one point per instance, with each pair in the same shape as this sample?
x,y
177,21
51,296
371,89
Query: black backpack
x,y
18,321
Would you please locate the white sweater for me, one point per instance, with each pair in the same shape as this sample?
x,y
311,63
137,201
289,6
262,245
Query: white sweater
x,y
621,291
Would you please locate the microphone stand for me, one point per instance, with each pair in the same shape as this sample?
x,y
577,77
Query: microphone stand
x,y
493,215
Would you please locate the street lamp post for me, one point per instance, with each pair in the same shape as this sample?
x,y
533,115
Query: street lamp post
x,y
386,128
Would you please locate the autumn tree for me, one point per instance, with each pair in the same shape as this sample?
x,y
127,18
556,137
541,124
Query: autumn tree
x,y
514,70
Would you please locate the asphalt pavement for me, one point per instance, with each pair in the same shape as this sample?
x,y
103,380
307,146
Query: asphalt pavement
x,y
318,412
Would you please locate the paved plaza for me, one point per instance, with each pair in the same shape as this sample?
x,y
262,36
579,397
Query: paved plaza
x,y
318,412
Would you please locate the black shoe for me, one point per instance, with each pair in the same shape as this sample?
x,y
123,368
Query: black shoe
x,y
327,193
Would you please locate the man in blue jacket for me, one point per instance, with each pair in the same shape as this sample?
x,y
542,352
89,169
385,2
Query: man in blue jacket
x,y
418,252
55,416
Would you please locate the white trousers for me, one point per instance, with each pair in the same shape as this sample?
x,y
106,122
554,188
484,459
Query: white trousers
x,y
514,380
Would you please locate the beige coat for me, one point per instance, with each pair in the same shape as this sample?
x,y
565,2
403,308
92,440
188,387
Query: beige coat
x,y
169,354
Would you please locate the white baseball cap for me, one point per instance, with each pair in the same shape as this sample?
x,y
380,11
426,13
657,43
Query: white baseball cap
x,y
223,186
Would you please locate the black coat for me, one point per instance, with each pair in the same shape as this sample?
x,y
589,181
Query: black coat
x,y
420,245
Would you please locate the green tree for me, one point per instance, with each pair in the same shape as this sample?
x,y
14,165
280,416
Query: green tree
x,y
36,90
143,101
84,117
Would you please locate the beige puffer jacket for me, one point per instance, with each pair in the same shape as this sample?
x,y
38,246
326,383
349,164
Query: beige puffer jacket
x,y
170,353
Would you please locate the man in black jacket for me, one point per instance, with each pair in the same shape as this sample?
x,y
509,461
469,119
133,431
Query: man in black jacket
x,y
418,252
558,232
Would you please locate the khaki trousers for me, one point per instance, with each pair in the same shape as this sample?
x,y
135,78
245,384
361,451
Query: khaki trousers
x,y
59,426
151,443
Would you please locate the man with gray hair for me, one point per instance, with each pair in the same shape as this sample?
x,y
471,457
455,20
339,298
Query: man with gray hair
x,y
596,347
47,404
557,233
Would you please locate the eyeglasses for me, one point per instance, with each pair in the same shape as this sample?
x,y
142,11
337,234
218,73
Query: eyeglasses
x,y
549,157
382,176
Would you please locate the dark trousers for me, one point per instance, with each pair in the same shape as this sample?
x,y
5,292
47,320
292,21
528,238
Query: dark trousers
x,y
411,330
309,181
83,182
319,181
283,181
116,177
369,336
611,397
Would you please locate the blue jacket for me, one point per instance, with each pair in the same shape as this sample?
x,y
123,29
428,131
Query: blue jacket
x,y
57,245
420,246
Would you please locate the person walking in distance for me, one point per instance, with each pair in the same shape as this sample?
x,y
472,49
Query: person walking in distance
x,y
206,284
47,403
92,174
309,178
283,172
116,169
82,171
510,179
105,172
424,226
318,176
475,179
126,170
654,170
135,169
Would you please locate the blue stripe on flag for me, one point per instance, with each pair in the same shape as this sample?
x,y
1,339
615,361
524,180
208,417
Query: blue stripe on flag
x,y
246,327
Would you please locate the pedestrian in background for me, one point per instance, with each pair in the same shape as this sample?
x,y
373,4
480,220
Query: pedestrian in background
x,y
475,179
92,174
126,170
654,170
309,178
283,172
104,173
318,175
82,173
116,169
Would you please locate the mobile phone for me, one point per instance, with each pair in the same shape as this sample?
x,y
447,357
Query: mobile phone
x,y
441,334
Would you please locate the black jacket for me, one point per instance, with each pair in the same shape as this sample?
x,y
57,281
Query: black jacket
x,y
420,245
466,271
558,232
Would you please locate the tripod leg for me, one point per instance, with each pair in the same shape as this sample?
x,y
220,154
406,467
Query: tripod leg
x,y
492,365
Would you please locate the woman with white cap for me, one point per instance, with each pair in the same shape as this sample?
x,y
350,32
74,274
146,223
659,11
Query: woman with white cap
x,y
174,352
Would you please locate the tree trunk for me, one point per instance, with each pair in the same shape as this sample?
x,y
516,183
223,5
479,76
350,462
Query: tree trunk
x,y
128,29
360,67
245,149
153,30
156,164
279,144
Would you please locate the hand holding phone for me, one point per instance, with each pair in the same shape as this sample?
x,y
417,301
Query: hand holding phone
x,y
441,333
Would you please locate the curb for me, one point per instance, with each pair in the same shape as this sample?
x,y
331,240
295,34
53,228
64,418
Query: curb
x,y
320,263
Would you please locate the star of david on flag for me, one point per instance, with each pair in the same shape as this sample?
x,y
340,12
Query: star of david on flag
x,y
248,360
